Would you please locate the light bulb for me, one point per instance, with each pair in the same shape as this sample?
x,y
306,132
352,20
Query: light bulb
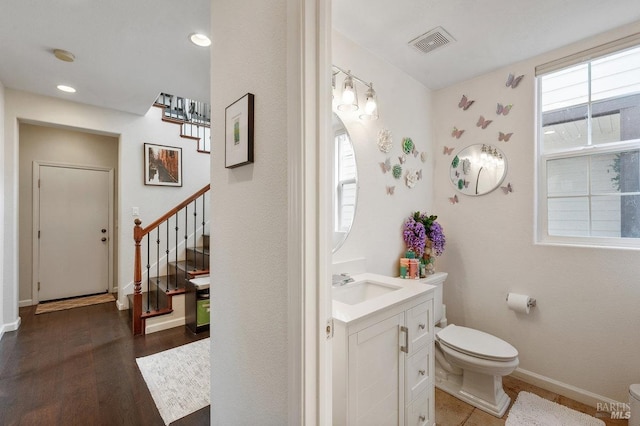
x,y
349,99
370,106
348,96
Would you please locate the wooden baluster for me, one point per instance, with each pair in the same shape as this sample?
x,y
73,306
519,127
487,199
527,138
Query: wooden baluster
x,y
137,280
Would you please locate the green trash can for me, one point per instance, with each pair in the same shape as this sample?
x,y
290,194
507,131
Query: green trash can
x,y
203,308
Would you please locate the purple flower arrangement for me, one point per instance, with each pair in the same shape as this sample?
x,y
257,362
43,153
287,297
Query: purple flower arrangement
x,y
420,228
415,236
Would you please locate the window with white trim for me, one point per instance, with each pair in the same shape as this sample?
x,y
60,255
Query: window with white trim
x,y
589,148
345,179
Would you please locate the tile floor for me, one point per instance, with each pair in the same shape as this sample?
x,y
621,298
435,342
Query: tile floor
x,y
453,412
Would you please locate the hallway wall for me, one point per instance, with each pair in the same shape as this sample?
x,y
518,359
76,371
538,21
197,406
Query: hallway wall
x,y
57,145
132,132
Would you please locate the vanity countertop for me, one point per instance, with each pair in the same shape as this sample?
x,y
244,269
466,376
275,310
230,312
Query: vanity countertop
x,y
407,289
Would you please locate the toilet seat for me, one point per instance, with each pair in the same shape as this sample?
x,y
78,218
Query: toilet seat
x,y
476,343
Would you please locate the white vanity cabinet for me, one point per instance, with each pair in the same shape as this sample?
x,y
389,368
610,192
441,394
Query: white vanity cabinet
x,y
383,365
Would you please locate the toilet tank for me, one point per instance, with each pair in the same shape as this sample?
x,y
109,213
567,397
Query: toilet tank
x,y
437,280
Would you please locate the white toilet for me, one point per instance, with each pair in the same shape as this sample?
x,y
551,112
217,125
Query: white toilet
x,y
470,363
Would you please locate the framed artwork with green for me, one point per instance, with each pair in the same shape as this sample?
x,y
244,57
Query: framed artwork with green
x,y
239,132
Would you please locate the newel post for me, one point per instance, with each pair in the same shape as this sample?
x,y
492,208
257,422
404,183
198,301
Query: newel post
x,y
137,280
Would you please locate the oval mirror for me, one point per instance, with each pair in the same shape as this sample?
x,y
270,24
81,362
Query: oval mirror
x,y
345,183
478,169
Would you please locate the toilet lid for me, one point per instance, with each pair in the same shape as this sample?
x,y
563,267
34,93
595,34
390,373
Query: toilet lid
x,y
476,343
634,390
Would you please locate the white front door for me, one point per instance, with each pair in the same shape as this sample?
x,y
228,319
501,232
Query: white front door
x,y
73,232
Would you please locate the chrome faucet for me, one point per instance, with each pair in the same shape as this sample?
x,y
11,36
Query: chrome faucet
x,y
341,279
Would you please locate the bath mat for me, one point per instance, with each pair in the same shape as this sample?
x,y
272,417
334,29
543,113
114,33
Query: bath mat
x,y
532,410
61,305
178,379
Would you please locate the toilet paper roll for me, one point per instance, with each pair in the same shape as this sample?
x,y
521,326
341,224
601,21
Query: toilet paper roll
x,y
519,302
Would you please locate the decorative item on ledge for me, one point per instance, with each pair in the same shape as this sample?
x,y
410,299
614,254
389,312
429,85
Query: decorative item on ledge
x,y
425,239
348,100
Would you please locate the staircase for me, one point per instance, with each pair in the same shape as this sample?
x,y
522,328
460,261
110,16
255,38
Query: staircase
x,y
173,249
193,117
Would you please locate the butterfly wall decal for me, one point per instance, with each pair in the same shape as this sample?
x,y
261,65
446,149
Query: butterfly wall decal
x,y
507,189
447,150
415,152
402,159
390,190
419,174
465,183
454,199
465,103
504,136
456,133
423,156
483,123
513,81
503,109
386,166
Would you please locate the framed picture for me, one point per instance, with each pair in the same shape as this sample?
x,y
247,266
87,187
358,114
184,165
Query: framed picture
x,y
162,165
239,132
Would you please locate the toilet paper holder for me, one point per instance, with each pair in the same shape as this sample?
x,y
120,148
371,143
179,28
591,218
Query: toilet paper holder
x,y
530,303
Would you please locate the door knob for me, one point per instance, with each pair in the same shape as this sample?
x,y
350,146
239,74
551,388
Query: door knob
x,y
103,239
103,230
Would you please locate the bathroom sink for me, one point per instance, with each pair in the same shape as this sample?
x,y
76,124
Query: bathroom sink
x,y
360,291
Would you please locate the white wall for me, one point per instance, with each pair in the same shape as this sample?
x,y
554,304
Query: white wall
x,y
133,131
249,218
584,331
405,110
3,299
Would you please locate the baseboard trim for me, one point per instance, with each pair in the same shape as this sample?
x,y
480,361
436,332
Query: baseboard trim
x,y
27,302
122,306
581,395
165,325
12,326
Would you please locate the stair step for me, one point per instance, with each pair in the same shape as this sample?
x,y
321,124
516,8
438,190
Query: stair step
x,y
198,257
167,284
149,306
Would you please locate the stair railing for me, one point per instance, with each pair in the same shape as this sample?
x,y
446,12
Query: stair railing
x,y
160,231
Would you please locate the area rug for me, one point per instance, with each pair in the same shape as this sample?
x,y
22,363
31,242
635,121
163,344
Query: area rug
x,y
61,305
532,410
178,379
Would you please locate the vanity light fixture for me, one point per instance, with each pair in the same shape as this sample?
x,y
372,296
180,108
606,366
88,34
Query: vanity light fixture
x,y
200,40
348,99
370,105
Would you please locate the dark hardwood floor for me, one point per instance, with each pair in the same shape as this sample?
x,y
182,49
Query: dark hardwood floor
x,y
78,367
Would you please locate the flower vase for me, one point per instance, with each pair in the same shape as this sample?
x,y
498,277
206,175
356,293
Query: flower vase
x,y
429,258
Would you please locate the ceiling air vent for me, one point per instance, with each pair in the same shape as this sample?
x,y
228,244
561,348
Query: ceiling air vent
x,y
432,40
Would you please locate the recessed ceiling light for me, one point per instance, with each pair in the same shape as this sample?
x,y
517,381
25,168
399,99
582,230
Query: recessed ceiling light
x,y
549,132
67,89
63,55
200,40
